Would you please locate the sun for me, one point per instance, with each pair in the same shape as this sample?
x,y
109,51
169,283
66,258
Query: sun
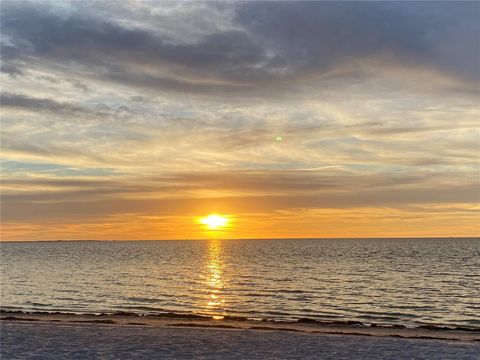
x,y
214,221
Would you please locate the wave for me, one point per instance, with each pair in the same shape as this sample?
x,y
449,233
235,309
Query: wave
x,y
7,313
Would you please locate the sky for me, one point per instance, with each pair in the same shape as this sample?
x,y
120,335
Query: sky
x,y
131,119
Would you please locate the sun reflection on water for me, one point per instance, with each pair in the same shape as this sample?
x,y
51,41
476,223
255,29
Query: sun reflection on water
x,y
214,280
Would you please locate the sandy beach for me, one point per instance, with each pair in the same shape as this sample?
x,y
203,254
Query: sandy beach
x,y
57,336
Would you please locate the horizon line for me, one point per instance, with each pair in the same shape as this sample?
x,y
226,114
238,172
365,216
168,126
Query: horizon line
x,y
234,239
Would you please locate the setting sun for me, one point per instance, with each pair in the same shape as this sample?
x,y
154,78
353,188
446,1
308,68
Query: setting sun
x,y
214,221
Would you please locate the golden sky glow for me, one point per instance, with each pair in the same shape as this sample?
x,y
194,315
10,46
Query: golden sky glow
x,y
147,116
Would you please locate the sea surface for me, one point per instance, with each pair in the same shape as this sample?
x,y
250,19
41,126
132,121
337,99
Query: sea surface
x,y
409,282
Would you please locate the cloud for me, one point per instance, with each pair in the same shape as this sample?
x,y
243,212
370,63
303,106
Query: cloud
x,y
238,192
11,70
316,35
264,41
18,101
128,55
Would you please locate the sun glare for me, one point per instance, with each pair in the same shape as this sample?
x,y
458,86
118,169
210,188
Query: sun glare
x,y
214,221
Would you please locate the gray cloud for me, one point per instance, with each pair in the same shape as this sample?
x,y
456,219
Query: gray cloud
x,y
11,70
93,115
114,50
273,40
18,101
275,183
318,34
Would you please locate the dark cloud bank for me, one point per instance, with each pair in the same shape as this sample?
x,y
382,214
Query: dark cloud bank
x,y
272,40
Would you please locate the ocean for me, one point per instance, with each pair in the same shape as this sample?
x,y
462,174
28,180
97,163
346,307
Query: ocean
x,y
409,282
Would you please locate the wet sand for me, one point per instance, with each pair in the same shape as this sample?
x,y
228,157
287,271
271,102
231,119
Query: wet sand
x,y
52,336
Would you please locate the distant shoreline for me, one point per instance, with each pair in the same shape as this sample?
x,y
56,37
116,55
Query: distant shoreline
x,y
245,239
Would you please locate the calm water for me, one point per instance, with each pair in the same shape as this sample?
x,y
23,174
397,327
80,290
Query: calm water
x,y
410,282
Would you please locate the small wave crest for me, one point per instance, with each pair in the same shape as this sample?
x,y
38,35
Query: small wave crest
x,y
9,312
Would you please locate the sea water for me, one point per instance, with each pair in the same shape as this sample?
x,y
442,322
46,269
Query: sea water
x,y
411,282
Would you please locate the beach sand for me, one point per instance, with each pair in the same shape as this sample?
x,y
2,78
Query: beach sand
x,y
34,336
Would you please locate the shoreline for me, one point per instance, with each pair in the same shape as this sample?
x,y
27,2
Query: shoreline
x,y
307,327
